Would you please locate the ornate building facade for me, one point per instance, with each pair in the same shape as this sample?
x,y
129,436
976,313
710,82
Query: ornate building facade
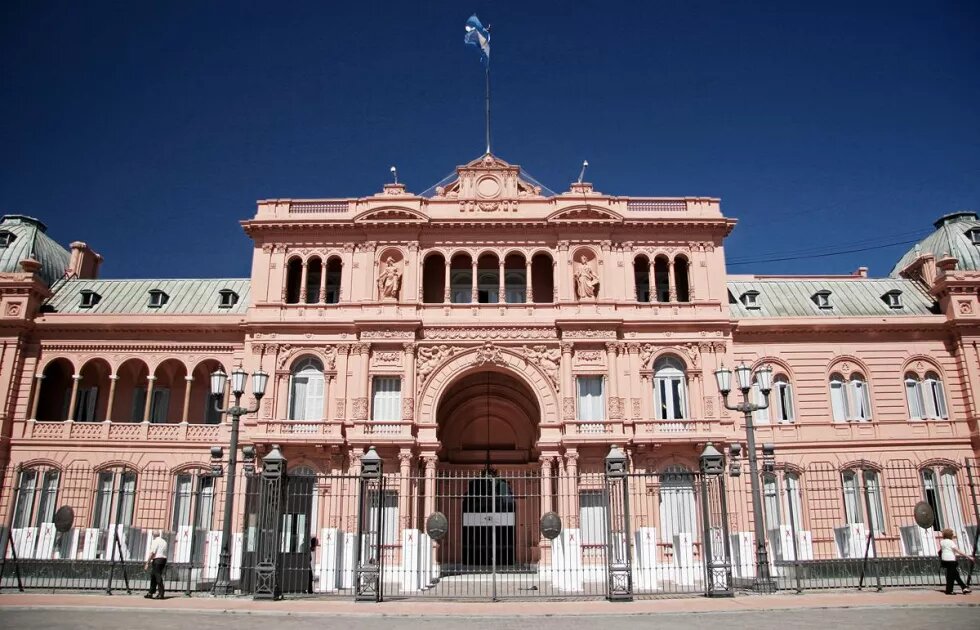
x,y
484,323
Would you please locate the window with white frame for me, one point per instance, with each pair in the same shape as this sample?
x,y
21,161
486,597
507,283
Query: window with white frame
x,y
591,398
930,487
678,512
761,415
669,389
860,399
593,508
36,489
184,511
770,501
854,501
949,500
794,500
386,398
387,502
781,399
115,499
838,398
306,390
934,397
913,395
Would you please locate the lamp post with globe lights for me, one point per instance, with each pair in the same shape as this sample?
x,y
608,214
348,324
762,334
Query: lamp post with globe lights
x,y
763,379
219,379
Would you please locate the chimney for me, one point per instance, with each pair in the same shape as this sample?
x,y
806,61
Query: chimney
x,y
946,264
84,262
862,272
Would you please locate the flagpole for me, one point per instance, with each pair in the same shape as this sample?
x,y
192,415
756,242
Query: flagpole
x,y
488,106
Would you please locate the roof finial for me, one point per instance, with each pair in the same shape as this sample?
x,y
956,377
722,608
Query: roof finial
x,y
581,175
394,173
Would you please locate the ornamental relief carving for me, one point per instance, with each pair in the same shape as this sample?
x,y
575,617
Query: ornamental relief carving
x,y
359,409
387,359
568,408
548,359
637,408
489,333
615,408
589,334
388,334
428,358
489,353
408,409
341,409
590,358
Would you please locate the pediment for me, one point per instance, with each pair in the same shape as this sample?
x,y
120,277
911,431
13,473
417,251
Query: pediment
x,y
391,215
585,214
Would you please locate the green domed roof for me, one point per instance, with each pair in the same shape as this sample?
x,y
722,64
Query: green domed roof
x,y
952,237
24,237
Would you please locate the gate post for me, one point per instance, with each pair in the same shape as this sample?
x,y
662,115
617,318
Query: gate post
x,y
619,573
716,557
267,582
367,580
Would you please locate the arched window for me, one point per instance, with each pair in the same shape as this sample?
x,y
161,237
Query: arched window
x,y
760,416
913,394
670,389
854,502
781,399
860,399
770,495
115,498
542,279
678,512
794,500
661,277
461,279
188,488
332,287
681,282
515,279
434,279
294,275
37,492
314,270
933,397
838,398
487,279
641,278
306,390
952,515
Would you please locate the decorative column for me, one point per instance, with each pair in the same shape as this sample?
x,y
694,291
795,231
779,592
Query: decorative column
x,y
430,461
322,296
302,285
605,271
404,500
187,398
408,391
410,285
614,406
636,397
112,397
571,465
38,380
562,275
671,284
327,395
647,396
626,258
502,286
74,396
347,274
150,380
567,385
343,359
690,280
652,281
362,387
528,282
474,290
447,293
546,486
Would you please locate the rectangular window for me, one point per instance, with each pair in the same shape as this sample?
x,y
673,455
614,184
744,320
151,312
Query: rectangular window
x,y
387,503
386,399
160,405
678,509
784,401
873,487
85,404
103,500
593,508
49,497
913,394
853,510
952,516
183,495
25,499
794,500
770,490
761,415
591,398
139,404
838,401
670,399
860,402
932,497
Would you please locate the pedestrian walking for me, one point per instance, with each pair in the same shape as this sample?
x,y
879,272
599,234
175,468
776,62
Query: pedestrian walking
x,y
156,562
947,557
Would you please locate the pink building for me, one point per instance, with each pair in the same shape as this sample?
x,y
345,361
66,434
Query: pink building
x,y
489,323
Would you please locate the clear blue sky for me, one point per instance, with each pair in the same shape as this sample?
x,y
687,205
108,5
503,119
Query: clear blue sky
x,y
149,129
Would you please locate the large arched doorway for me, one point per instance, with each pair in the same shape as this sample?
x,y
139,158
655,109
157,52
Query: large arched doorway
x,y
488,483
488,418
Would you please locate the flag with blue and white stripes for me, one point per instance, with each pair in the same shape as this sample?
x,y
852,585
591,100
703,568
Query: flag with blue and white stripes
x,y
477,35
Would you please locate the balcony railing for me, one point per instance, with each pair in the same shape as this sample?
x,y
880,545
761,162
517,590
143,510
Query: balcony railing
x,y
684,426
299,429
382,429
124,431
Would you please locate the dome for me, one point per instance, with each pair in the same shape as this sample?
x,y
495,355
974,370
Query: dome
x,y
957,235
24,237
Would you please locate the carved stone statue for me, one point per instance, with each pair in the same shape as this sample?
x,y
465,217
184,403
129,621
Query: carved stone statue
x,y
586,280
390,280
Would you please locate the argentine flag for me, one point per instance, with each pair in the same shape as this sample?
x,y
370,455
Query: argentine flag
x,y
477,35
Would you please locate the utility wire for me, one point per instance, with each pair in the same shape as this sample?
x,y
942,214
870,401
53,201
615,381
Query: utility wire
x,y
823,255
918,234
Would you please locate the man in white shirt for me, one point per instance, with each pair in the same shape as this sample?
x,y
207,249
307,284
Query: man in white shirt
x,y
156,562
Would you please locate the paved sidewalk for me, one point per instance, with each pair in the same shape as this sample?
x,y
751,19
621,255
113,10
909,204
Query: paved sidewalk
x,y
849,599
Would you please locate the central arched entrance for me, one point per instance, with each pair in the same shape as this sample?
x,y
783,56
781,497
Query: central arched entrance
x,y
488,484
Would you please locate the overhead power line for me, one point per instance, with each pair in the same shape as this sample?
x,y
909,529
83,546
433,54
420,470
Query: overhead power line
x,y
822,255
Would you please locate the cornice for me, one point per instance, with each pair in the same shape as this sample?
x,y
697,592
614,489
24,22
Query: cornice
x,y
143,347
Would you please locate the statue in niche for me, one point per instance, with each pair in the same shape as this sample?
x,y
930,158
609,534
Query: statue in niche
x,y
586,280
390,280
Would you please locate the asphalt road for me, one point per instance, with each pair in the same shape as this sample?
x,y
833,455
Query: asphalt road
x,y
891,618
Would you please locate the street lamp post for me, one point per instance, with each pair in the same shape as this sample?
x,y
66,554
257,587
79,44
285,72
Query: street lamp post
x,y
763,378
222,584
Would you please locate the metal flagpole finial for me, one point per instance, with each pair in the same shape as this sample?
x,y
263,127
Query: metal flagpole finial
x,y
394,173
581,175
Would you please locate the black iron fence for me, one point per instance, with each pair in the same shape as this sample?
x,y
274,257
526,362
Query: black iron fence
x,y
620,534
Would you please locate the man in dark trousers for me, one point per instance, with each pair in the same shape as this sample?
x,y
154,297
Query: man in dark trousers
x,y
156,562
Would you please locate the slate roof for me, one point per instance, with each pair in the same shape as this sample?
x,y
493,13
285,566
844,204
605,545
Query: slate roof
x,y
950,238
30,241
857,297
132,297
